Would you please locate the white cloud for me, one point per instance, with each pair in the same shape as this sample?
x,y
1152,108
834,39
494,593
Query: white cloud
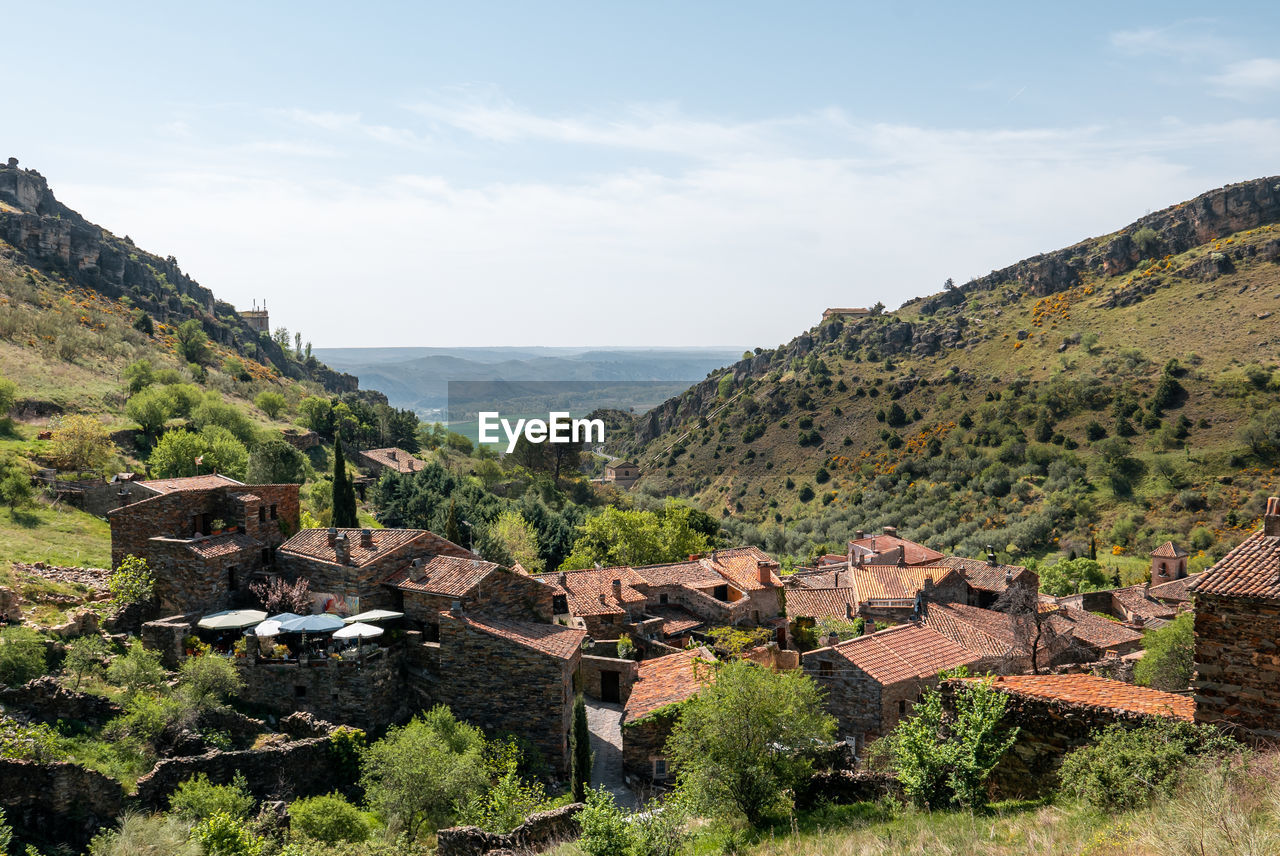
x,y
1249,77
1184,40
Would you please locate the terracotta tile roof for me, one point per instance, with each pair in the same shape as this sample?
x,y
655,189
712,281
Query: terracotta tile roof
x,y
1098,692
314,544
814,579
675,619
665,680
554,640
905,652
982,631
1168,550
891,582
446,575
820,603
832,559
245,496
1135,600
222,545
912,553
190,483
1093,629
1177,591
741,566
986,576
1250,570
394,459
680,573
584,590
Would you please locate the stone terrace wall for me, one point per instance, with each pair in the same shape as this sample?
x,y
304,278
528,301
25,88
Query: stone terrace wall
x,y
369,695
539,832
1049,729
1237,667
592,667
847,786
165,636
38,798
47,700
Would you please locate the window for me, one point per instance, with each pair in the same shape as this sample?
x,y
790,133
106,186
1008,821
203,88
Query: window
x,y
659,768
824,669
232,583
273,511
662,599
720,592
299,691
266,555
902,707
559,604
262,514
755,616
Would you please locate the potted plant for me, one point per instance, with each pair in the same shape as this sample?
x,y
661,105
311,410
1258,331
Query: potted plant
x,y
241,648
280,652
191,644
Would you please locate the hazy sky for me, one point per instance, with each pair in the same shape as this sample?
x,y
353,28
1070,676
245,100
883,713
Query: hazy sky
x,y
625,173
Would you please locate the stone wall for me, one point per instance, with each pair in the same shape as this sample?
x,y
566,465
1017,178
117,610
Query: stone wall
x,y
591,667
539,832
852,696
368,695
646,739
501,594
847,786
501,685
40,798
48,701
165,636
1237,663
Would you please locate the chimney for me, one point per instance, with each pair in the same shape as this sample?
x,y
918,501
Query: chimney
x,y
333,536
1271,520
859,535
602,598
991,556
562,579
1008,576
762,572
392,454
366,538
891,531
342,548
928,582
617,590
848,611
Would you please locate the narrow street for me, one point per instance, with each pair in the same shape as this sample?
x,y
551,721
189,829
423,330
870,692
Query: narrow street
x,y
605,722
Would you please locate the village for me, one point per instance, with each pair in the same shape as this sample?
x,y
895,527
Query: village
x,y
386,623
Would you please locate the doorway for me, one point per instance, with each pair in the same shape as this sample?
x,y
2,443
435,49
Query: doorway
x,y
609,690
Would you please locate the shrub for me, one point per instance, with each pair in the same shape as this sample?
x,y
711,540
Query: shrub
x,y
191,342
1124,768
132,582
80,443
1169,658
207,681
626,648
198,799
270,402
146,835
328,818
139,375
37,742
22,656
605,831
84,657
138,670
224,835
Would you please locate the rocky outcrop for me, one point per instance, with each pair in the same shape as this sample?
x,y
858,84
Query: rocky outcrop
x,y
539,832
48,701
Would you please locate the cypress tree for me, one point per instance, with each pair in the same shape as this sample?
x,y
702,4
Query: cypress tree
x,y
580,755
451,531
344,492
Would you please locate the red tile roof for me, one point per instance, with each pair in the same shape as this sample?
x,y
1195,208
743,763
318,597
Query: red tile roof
x,y
814,579
1250,570
820,603
1098,692
394,459
912,553
741,566
1169,550
675,619
190,483
554,640
1093,629
905,652
1177,591
222,545
986,576
314,544
892,582
982,631
666,680
1135,600
584,590
452,576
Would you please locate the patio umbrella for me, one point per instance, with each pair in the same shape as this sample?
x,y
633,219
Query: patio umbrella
x,y
232,619
284,616
359,630
271,627
312,624
374,615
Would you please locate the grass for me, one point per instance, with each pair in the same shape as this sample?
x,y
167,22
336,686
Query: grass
x,y
56,534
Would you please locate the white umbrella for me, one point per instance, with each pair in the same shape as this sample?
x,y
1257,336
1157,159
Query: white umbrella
x,y
374,615
232,619
270,627
312,624
359,630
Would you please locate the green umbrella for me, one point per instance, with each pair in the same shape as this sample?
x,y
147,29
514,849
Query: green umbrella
x,y
232,619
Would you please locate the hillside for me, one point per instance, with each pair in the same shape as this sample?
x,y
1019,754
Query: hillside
x,y
1122,389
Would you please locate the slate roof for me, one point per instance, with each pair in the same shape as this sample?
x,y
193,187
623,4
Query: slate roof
x,y
1093,629
1250,570
820,602
1169,550
905,652
893,582
583,589
681,573
740,566
665,680
314,544
190,483
222,545
1098,692
403,462
982,631
814,579
1175,590
912,553
984,575
554,640
452,576
1135,600
675,619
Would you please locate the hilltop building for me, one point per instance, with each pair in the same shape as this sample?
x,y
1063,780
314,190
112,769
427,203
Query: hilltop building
x,y
622,472
396,460
849,313
1168,563
257,319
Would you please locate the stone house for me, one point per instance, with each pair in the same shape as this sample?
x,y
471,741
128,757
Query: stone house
x,y
425,588
994,635
989,581
621,472
396,460
136,491
888,549
850,313
1058,713
512,676
1237,608
662,685
205,544
873,681
1168,563
893,593
1133,605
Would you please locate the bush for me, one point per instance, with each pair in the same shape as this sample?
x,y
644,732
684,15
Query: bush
x,y
224,835
132,582
146,835
1125,768
270,402
197,799
605,831
1169,658
206,681
328,818
80,443
22,656
84,657
138,670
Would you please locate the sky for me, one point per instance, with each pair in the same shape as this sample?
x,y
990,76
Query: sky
x,y
602,173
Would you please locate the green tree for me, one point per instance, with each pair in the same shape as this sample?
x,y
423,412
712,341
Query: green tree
x,y
519,539
605,830
418,774
175,455
143,324
223,453
139,375
943,761
191,342
150,408
344,492
8,396
15,484
131,582
198,799
742,743
317,414
633,537
84,657
205,682
1117,466
1168,661
1072,576
270,402
80,442
329,819
137,671
451,530
224,835
580,754
276,462
213,411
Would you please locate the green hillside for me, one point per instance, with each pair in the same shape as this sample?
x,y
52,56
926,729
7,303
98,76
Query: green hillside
x,y
1122,390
